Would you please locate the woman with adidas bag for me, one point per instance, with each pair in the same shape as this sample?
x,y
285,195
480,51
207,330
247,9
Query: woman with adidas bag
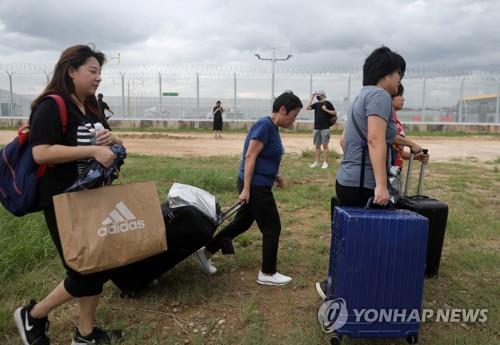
x,y
67,148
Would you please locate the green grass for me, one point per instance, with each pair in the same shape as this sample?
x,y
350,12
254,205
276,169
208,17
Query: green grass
x,y
187,307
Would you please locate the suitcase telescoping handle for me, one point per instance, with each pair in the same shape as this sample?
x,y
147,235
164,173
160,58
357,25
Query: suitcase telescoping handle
x,y
230,212
421,176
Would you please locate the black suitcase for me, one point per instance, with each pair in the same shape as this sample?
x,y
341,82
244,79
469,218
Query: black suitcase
x,y
187,229
437,213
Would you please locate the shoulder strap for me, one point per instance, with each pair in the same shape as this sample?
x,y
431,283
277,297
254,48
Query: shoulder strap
x,y
360,133
63,116
363,147
63,111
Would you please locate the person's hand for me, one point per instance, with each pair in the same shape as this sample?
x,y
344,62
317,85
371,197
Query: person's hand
x,y
280,181
244,196
415,148
424,158
105,138
104,155
381,196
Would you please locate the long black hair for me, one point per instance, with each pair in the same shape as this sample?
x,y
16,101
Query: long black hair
x,y
61,83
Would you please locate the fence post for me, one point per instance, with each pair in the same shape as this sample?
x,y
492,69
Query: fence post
x,y
46,77
128,98
197,94
123,93
461,102
497,110
349,89
423,99
235,99
310,85
159,87
11,105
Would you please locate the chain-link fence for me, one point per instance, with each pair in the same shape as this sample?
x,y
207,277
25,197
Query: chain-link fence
x,y
190,92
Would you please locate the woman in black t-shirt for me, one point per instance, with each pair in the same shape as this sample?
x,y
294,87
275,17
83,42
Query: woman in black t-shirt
x,y
217,113
76,77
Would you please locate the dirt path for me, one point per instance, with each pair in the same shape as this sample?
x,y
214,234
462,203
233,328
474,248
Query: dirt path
x,y
203,144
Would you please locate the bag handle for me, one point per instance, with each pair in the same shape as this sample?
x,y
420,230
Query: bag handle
x,y
371,205
225,215
421,175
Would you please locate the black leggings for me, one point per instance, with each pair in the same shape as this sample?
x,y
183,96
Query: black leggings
x,y
352,196
261,208
77,284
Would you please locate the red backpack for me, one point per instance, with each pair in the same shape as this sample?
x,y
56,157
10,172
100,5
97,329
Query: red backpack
x,y
20,175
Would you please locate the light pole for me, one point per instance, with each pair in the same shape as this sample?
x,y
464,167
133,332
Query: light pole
x,y
11,105
273,60
117,57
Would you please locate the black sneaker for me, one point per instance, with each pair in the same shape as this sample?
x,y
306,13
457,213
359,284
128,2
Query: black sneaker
x,y
97,337
32,330
321,288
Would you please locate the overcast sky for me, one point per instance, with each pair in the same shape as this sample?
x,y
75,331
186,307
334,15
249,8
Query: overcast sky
x,y
441,34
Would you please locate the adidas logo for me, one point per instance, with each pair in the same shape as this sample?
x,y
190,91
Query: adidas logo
x,y
121,219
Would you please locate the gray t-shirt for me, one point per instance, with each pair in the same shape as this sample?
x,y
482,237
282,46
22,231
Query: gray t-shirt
x,y
372,100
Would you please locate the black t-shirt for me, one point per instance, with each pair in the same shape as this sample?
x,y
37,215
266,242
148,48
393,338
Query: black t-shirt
x,y
46,129
102,107
321,117
217,111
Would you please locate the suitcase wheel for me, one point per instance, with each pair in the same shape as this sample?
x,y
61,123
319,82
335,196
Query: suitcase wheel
x,y
335,339
412,339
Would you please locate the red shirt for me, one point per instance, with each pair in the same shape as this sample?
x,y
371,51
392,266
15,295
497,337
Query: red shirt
x,y
398,160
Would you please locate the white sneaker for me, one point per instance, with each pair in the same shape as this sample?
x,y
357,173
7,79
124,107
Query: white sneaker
x,y
276,279
205,263
314,165
321,288
325,165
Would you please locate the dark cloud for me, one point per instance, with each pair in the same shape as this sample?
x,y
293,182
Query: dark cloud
x,y
450,33
55,24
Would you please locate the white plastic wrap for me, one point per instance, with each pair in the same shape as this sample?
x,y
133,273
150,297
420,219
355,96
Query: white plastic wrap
x,y
186,195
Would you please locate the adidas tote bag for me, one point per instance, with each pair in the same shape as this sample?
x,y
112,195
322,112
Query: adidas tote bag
x,y
110,227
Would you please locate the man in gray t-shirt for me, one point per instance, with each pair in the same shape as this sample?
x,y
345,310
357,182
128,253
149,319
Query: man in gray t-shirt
x,y
372,101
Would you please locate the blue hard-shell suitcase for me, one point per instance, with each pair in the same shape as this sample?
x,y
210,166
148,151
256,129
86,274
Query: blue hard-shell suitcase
x,y
376,274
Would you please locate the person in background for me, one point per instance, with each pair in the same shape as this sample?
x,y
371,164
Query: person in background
x,y
400,141
323,110
217,114
258,172
76,77
103,107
